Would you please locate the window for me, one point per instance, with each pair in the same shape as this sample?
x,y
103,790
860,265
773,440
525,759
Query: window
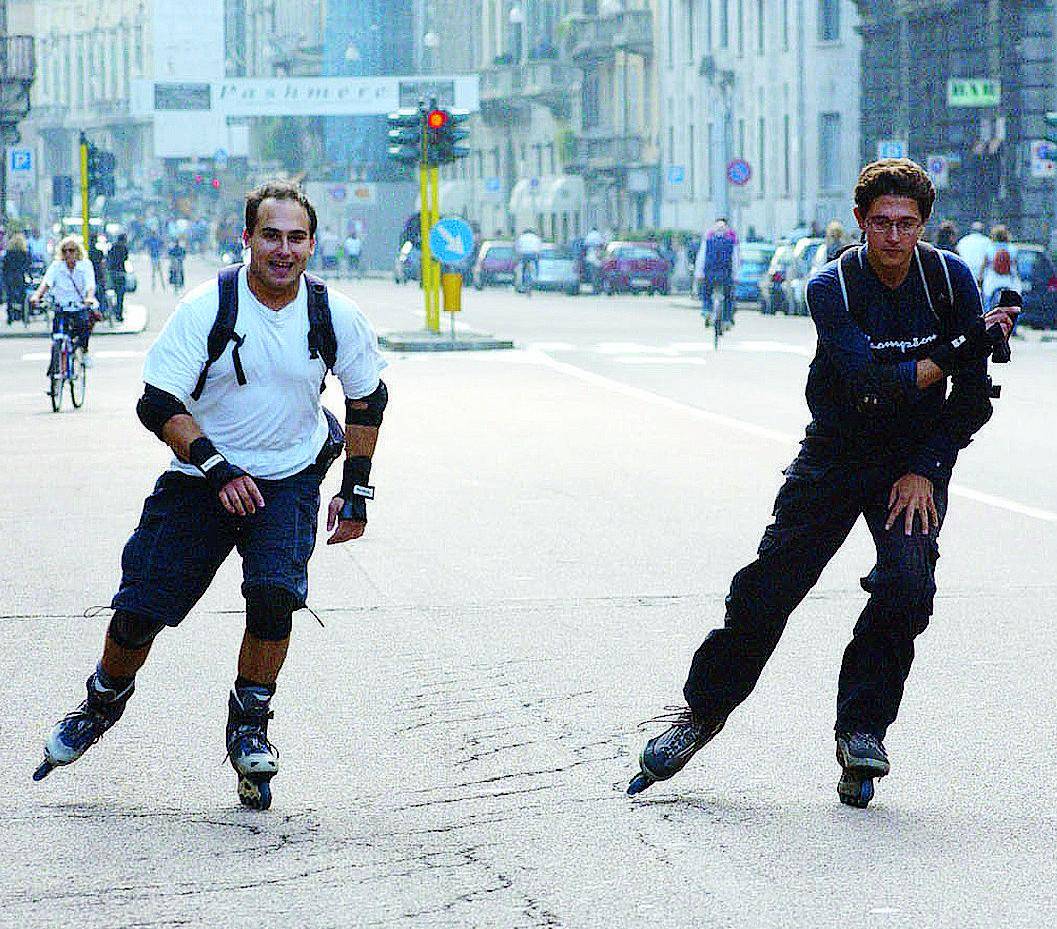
x,y
724,23
828,20
760,29
829,151
785,153
708,25
590,99
761,153
692,159
785,25
671,35
741,27
741,152
711,158
690,29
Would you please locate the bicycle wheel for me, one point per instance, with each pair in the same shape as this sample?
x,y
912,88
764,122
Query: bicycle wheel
x,y
78,378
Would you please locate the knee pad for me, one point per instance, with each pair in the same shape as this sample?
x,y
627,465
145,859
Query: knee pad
x,y
131,631
269,612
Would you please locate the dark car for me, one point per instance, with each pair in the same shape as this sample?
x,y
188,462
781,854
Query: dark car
x,y
495,264
628,267
754,260
1038,286
408,264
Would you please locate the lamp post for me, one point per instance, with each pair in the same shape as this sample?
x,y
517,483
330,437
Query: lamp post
x,y
517,25
721,80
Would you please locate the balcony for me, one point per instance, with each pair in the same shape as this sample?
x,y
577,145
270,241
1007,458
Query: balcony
x,y
548,83
18,67
600,37
602,151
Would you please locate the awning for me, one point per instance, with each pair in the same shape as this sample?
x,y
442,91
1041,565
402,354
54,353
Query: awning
x,y
563,193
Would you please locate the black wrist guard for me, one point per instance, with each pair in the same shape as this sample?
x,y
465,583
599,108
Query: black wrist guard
x,y
217,469
356,489
975,343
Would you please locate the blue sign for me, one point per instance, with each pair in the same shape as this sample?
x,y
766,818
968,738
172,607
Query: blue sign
x,y
220,156
451,241
20,161
676,174
739,172
492,185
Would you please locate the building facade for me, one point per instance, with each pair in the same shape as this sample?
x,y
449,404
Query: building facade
x,y
963,86
791,70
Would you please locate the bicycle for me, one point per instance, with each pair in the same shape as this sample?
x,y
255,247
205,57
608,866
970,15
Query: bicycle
x,y
719,300
67,364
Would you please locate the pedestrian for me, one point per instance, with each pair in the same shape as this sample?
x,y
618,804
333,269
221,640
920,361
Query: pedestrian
x,y
527,248
716,266
882,443
16,263
947,236
834,240
328,251
70,279
252,444
98,259
115,265
974,249
155,244
1000,267
353,247
177,255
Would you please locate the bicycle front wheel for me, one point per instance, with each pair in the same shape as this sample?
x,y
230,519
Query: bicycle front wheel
x,y
78,378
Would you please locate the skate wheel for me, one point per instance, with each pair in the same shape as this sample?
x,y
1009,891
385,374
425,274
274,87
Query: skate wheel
x,y
855,792
257,795
43,770
639,783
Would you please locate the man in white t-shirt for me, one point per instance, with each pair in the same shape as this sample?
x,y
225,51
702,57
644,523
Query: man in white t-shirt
x,y
974,248
251,444
353,248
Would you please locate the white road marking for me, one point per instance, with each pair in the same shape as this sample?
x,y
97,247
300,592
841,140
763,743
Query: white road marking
x,y
552,346
659,360
634,348
784,348
95,353
772,435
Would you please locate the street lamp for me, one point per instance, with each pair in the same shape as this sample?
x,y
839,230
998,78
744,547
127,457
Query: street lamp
x,y
517,24
722,80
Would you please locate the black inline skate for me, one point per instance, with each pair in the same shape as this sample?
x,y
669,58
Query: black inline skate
x,y
254,758
666,755
863,758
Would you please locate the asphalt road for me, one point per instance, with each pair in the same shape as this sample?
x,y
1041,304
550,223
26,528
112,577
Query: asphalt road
x,y
554,532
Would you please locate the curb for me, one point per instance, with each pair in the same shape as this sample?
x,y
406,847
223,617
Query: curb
x,y
423,341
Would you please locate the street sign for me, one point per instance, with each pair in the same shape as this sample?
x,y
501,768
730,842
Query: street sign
x,y
939,169
220,158
739,172
973,92
1043,158
451,241
891,148
676,174
20,167
493,185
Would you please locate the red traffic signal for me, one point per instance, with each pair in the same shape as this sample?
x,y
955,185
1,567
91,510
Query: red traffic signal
x,y
198,178
215,183
437,119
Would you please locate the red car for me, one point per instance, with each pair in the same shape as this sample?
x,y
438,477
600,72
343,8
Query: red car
x,y
495,264
630,267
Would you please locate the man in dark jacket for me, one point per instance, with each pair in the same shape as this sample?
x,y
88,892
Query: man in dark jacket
x,y
883,440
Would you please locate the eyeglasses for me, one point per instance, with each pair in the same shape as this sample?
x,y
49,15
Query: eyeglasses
x,y
884,225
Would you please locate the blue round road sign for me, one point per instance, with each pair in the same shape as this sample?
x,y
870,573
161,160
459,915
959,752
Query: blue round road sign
x,y
739,172
451,241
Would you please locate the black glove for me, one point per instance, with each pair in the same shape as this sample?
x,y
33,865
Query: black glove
x,y
975,343
218,471
356,489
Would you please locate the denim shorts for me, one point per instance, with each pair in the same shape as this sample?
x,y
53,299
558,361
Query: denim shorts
x,y
184,535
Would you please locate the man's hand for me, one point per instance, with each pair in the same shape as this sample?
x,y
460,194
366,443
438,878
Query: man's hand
x,y
346,529
241,496
91,303
34,298
912,495
1005,316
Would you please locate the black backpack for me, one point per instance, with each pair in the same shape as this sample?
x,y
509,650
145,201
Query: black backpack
x,y
322,343
931,265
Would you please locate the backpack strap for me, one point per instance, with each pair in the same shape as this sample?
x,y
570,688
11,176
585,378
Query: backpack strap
x,y
852,276
223,328
322,343
932,266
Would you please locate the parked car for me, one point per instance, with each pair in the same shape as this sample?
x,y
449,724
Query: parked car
x,y
800,269
495,264
1038,286
408,264
629,267
559,269
755,257
772,282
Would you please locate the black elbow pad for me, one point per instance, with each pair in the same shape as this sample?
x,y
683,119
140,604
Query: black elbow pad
x,y
367,411
156,407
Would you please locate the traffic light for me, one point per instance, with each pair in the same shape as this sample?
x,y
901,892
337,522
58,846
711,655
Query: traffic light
x,y
405,135
444,134
101,171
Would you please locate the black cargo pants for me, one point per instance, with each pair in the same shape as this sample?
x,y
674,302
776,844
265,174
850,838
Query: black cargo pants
x,y
814,512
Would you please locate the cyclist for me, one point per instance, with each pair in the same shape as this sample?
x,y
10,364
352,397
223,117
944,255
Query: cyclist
x,y
527,248
177,254
15,266
71,281
717,262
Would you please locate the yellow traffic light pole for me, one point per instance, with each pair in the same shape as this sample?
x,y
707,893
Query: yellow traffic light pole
x,y
84,191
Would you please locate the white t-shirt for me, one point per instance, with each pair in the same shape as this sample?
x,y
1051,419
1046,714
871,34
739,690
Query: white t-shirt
x,y
353,247
974,248
70,288
273,426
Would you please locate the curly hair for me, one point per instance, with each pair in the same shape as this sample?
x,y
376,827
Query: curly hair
x,y
278,190
898,177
